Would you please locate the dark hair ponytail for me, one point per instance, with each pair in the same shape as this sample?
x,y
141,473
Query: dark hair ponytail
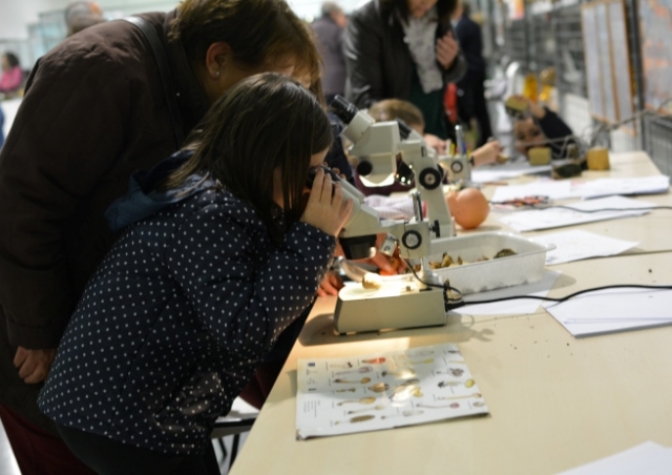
x,y
262,123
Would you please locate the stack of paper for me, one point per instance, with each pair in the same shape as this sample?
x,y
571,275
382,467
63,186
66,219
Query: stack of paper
x,y
384,390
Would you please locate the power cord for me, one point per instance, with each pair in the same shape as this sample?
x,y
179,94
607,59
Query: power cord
x,y
445,287
451,303
539,203
462,303
608,127
647,208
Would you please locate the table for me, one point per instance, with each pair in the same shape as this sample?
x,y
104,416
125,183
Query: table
x,y
651,231
556,402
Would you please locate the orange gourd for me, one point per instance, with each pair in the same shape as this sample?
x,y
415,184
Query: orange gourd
x,y
469,207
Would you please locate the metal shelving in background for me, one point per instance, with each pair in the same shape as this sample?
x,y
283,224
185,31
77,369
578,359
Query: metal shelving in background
x,y
658,141
552,36
569,55
515,41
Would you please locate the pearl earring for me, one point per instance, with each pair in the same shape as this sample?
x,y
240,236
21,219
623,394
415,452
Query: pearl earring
x,y
216,74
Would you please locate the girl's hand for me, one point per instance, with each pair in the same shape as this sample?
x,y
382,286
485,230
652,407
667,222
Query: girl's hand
x,y
327,210
387,265
330,285
488,153
447,49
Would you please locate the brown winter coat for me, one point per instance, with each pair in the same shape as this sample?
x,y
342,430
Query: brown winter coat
x,y
94,111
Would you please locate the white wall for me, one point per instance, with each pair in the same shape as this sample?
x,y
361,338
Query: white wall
x,y
309,9
15,15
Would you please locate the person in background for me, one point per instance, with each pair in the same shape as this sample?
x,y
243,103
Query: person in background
x,y
95,110
329,30
538,126
392,109
227,254
471,89
81,15
403,49
12,75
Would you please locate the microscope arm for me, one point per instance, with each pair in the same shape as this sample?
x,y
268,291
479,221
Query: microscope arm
x,y
377,145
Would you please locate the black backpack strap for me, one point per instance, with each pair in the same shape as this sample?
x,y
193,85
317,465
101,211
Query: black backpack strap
x,y
165,74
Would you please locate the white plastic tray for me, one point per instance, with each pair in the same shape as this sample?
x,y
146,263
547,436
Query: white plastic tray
x,y
526,266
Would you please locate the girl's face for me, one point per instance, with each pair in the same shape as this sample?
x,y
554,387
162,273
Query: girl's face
x,y
5,63
528,135
315,161
418,8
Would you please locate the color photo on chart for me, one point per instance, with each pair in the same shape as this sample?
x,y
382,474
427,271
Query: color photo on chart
x,y
384,390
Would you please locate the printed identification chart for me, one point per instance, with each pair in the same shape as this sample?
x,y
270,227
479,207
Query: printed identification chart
x,y
382,391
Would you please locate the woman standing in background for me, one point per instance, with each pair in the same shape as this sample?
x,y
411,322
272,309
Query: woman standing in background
x,y
403,49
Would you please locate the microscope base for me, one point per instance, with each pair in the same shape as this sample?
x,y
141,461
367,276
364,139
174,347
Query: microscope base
x,y
360,310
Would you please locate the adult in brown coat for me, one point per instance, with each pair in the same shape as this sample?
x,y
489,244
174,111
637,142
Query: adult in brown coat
x,y
94,111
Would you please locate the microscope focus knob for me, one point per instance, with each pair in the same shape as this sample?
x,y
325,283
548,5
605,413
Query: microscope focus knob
x,y
364,168
430,178
411,239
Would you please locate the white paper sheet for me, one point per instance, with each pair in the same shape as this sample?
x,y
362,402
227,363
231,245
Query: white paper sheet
x,y
536,219
382,391
648,458
555,190
565,189
577,244
612,310
625,186
510,307
506,171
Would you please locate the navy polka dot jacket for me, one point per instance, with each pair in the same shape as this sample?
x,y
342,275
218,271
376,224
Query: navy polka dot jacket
x,y
171,325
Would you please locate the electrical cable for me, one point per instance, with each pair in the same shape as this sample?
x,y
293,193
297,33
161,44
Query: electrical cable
x,y
462,303
606,127
453,303
647,208
444,287
591,133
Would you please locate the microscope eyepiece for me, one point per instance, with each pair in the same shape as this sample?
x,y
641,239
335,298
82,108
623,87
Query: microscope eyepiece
x,y
311,175
404,129
343,109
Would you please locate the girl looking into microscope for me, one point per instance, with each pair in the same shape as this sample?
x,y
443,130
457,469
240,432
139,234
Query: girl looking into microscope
x,y
223,248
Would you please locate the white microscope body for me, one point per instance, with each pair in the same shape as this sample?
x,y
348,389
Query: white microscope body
x,y
403,302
